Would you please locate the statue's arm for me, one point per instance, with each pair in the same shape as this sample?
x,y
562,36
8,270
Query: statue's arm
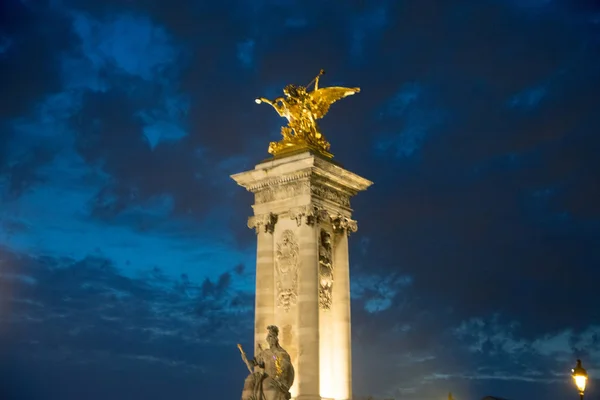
x,y
260,100
277,104
258,360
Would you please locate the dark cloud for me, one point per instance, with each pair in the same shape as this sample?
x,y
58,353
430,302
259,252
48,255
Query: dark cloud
x,y
30,66
480,218
32,39
96,319
119,145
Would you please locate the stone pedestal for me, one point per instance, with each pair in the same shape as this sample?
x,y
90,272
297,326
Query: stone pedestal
x,y
302,218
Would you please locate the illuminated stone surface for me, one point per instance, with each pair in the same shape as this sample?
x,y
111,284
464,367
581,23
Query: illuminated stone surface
x,y
302,218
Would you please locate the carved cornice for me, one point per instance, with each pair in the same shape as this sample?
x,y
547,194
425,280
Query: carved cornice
x,y
276,181
341,175
282,191
264,222
317,188
327,192
306,165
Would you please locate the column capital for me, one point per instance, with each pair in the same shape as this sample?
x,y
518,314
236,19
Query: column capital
x,y
312,215
264,222
341,224
308,214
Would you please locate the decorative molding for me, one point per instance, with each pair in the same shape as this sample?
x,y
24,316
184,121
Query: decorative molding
x,y
287,258
299,187
325,270
273,182
266,222
343,176
274,172
280,192
331,194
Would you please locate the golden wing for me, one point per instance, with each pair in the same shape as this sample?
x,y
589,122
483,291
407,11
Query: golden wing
x,y
321,99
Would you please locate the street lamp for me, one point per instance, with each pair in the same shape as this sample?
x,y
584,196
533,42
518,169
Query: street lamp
x,y
580,377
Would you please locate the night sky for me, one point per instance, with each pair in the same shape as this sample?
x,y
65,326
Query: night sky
x,y
127,269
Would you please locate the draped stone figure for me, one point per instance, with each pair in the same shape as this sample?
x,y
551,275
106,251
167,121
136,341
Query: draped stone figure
x,y
271,371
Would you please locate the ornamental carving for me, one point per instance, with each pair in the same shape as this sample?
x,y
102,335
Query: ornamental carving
x,y
287,258
341,223
331,194
279,180
325,271
281,192
264,222
309,214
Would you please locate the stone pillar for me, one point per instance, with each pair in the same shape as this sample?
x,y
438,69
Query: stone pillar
x,y
308,312
328,339
341,318
297,196
265,280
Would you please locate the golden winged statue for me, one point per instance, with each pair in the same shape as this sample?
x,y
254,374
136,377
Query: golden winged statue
x,y
302,109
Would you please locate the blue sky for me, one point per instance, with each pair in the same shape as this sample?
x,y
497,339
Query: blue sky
x,y
127,270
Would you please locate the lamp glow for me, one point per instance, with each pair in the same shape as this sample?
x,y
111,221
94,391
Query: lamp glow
x,y
580,377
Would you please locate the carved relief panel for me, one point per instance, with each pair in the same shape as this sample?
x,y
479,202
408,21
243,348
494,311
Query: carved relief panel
x,y
287,258
325,270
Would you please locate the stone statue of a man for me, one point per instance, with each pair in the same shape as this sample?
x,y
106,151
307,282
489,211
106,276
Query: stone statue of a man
x,y
271,371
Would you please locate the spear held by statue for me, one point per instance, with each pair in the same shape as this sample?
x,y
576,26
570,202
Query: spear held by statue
x,y
245,358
